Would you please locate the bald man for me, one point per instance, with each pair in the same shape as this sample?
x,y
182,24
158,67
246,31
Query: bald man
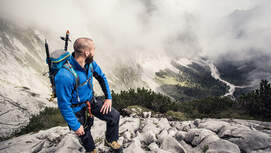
x,y
74,102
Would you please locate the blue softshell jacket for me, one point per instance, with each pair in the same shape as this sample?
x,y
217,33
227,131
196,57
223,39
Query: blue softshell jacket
x,y
67,95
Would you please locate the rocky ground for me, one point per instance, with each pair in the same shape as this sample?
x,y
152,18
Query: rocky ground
x,y
17,105
155,135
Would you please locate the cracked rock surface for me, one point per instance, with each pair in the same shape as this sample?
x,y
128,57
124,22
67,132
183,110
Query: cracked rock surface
x,y
16,110
155,135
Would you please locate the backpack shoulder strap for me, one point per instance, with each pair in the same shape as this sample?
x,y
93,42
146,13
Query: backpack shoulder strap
x,y
92,74
69,67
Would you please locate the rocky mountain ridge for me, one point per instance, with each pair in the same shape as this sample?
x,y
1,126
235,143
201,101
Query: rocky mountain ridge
x,y
155,135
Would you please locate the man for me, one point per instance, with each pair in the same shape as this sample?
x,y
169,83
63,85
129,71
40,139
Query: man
x,y
73,103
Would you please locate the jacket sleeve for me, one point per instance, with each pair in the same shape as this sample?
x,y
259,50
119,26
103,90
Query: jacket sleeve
x,y
64,83
100,76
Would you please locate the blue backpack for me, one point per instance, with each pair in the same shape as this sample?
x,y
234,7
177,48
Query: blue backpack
x,y
60,58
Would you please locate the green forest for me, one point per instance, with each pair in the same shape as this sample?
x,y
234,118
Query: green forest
x,y
253,105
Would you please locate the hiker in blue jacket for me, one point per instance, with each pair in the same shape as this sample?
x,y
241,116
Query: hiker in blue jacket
x,y
75,100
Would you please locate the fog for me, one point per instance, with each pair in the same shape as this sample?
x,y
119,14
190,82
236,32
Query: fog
x,y
136,31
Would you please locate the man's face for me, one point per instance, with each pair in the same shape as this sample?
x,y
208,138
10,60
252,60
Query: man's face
x,y
90,52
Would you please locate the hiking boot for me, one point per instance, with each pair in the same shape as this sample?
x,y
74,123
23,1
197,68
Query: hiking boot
x,y
114,145
94,151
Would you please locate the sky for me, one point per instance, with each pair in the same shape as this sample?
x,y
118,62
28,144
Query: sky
x,y
133,30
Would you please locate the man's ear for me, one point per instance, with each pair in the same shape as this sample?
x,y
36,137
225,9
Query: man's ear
x,y
86,53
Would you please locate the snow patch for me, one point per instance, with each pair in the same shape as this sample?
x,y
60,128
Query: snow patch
x,y
183,61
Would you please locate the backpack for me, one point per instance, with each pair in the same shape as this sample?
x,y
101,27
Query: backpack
x,y
60,58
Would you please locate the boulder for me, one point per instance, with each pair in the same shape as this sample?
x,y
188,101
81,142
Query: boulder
x,y
170,144
248,140
146,114
220,145
180,135
163,123
134,147
196,136
212,124
172,131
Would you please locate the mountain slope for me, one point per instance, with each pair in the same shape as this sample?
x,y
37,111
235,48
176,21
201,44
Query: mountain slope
x,y
24,89
191,81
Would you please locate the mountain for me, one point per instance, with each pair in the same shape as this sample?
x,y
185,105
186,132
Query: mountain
x,y
191,81
23,88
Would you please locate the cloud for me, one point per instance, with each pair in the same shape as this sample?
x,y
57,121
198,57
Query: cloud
x,y
131,29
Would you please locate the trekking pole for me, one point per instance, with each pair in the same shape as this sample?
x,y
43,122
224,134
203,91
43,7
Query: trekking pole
x,y
49,62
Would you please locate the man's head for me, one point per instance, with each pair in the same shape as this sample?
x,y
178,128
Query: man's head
x,y
84,47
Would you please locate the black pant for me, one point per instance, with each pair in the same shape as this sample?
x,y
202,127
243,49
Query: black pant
x,y
112,124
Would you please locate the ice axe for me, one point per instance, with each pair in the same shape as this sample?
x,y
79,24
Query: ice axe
x,y
66,39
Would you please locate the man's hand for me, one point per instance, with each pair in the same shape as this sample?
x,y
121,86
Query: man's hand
x,y
106,106
80,131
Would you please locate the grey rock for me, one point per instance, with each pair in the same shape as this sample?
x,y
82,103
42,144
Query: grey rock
x,y
172,132
197,122
253,125
163,123
180,135
186,125
220,146
134,147
57,138
212,124
15,112
162,135
150,135
153,146
158,150
127,135
170,144
189,148
248,140
146,114
151,125
128,124
196,136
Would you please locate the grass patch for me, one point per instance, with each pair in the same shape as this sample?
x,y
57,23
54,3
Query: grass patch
x,y
171,115
235,113
205,148
48,118
98,140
